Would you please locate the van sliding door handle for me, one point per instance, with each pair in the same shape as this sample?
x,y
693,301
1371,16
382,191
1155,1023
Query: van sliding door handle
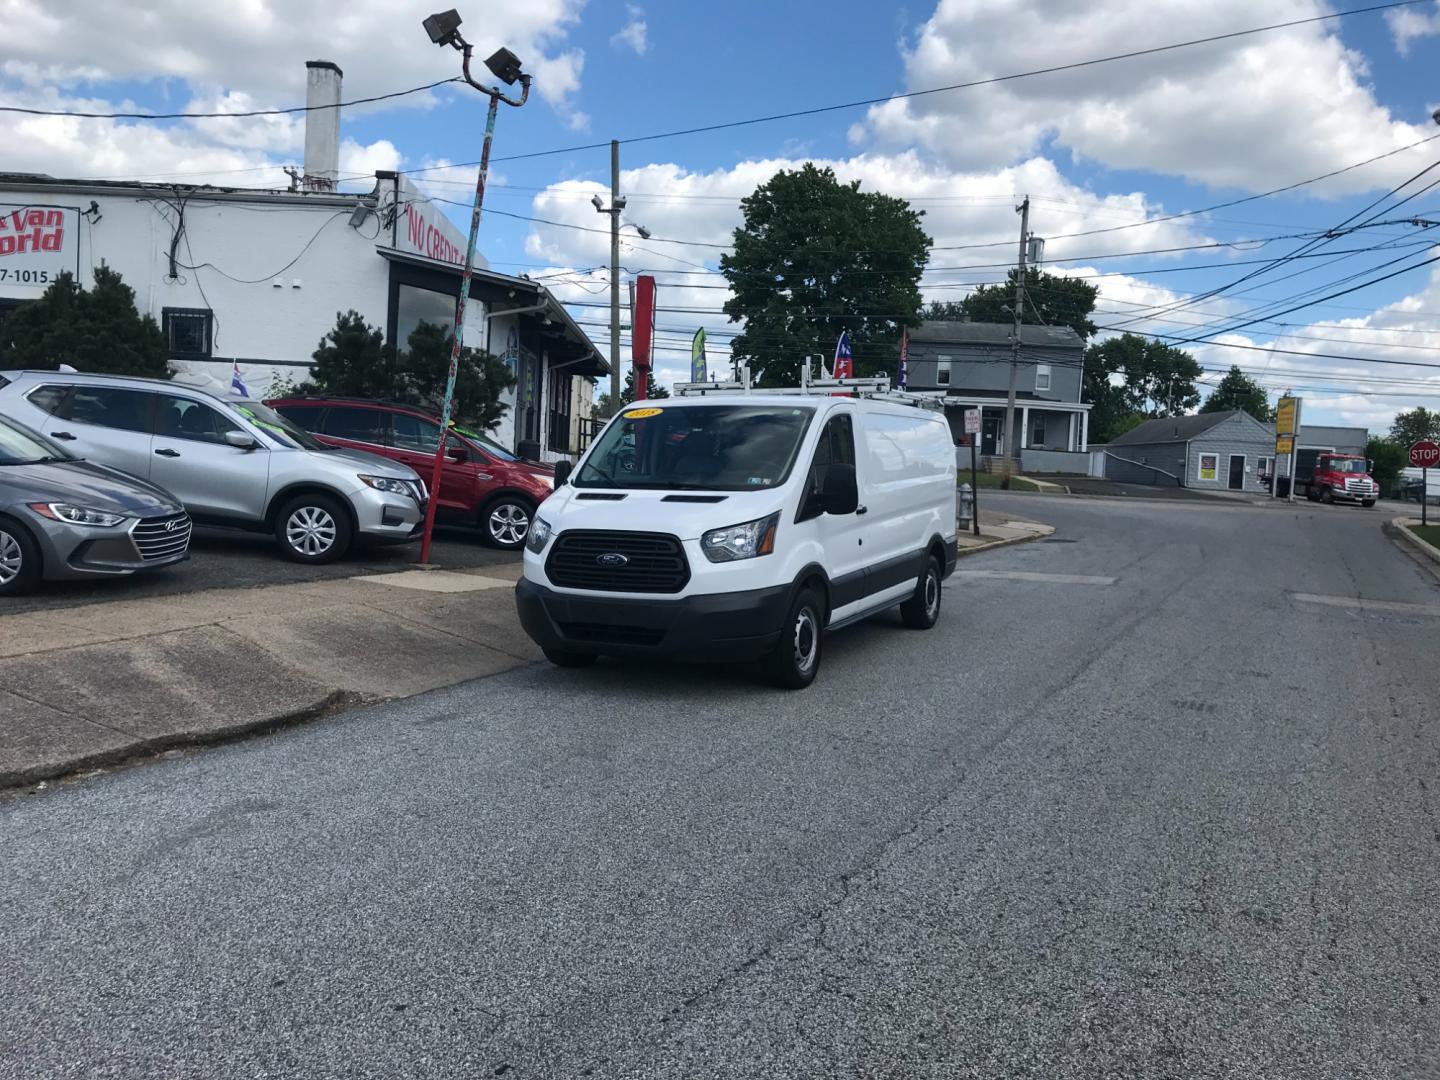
x,y
862,510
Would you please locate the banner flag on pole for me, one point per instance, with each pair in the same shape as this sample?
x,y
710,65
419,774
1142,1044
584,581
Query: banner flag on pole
x,y
844,359
698,367
904,357
236,383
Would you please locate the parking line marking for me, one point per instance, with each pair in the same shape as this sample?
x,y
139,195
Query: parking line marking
x,y
1357,603
1028,575
441,581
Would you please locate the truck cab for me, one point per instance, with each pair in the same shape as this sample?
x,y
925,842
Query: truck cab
x,y
1337,477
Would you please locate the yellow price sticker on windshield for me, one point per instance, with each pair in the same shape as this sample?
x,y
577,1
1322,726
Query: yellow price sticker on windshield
x,y
642,414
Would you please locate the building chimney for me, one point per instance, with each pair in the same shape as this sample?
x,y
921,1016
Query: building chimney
x,y
322,125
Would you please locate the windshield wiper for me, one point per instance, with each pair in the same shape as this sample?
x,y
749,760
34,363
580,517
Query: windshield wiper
x,y
592,467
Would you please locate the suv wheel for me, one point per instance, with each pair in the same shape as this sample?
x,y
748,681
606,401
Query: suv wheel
x,y
19,560
313,529
506,522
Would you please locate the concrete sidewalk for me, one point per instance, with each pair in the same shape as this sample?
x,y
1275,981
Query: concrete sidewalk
x,y
89,686
997,529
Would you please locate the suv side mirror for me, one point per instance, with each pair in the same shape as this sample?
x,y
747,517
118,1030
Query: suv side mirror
x,y
455,453
239,440
562,472
841,495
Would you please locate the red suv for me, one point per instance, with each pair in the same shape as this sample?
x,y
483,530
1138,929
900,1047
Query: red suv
x,y
483,483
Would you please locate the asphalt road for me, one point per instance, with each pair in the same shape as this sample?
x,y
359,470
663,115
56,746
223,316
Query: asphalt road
x,y
232,559
1166,804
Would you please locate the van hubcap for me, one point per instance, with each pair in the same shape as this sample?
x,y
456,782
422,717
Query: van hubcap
x,y
310,531
10,558
807,640
932,594
509,523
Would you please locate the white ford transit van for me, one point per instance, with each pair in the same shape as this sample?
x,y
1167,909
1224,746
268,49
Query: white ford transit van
x,y
741,527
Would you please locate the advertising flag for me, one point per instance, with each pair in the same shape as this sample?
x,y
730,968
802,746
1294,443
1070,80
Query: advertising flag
x,y
844,359
236,383
904,357
698,372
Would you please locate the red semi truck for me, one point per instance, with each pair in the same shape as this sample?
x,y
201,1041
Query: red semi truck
x,y
1323,475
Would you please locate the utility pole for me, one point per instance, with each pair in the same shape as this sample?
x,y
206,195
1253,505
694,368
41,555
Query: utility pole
x,y
616,205
1012,439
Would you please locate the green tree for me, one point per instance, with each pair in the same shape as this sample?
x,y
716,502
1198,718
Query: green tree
x,y
96,329
480,378
1415,424
1154,379
352,360
1238,391
1104,389
1388,457
1050,300
814,258
945,311
605,408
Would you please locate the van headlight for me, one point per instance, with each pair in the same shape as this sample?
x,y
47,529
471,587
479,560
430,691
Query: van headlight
x,y
538,536
744,541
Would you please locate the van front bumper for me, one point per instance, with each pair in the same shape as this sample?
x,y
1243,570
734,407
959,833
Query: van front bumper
x,y
711,626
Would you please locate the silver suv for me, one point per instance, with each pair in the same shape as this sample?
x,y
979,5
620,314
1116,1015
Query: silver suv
x,y
231,461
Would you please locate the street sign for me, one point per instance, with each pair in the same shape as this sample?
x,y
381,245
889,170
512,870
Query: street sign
x,y
1286,413
972,421
1285,444
1425,455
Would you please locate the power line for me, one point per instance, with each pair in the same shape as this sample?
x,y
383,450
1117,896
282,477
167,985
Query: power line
x,y
820,109
225,115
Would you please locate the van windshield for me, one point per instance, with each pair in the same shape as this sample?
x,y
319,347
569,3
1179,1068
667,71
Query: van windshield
x,y
705,447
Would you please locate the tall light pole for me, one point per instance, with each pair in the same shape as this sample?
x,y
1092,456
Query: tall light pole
x,y
1012,439
616,207
444,29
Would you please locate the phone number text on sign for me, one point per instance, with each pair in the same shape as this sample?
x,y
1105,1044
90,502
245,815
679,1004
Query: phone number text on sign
x,y
25,277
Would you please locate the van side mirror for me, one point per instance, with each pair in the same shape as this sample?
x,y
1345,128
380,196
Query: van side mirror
x,y
841,495
239,440
562,472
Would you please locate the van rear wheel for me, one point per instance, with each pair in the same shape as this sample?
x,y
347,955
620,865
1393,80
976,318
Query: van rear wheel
x,y
795,660
922,610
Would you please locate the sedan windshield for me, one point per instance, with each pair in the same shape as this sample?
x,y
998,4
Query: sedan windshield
x,y
285,432
21,446
709,447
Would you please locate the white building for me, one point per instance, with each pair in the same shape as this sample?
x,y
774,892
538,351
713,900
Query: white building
x,y
257,278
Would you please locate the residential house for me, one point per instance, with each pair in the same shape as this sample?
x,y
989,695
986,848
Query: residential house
x,y
1220,450
970,362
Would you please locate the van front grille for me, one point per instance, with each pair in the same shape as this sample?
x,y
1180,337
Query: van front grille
x,y
609,632
632,562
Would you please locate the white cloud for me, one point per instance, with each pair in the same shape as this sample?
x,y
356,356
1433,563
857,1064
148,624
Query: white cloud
x,y
634,33
1407,24
1245,113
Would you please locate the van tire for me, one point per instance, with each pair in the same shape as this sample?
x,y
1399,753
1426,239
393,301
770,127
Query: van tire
x,y
795,660
21,571
303,524
922,610
562,658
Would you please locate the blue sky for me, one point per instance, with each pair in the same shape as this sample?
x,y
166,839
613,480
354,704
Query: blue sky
x,y
1119,144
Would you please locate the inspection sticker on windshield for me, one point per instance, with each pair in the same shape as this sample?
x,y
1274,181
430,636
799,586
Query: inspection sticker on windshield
x,y
642,414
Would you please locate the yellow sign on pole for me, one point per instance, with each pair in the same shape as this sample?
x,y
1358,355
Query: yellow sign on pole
x,y
1285,444
1285,416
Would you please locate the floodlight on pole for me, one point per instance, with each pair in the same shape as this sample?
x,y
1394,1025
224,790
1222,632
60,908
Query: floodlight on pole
x,y
444,30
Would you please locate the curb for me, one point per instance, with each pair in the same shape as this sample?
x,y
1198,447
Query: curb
x,y
334,702
1402,527
962,552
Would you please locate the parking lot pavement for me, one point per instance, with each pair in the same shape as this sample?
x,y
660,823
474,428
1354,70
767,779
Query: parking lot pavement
x,y
228,559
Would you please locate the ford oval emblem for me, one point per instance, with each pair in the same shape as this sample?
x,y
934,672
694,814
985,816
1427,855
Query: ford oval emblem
x,y
612,558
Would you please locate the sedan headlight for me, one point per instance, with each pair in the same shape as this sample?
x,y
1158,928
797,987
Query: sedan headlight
x,y
538,536
388,484
745,541
77,515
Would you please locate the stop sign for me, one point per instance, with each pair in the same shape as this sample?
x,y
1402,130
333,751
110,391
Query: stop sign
x,y
1425,455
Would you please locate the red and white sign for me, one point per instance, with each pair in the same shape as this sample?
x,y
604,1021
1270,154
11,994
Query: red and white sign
x,y
972,421
420,227
37,243
1425,455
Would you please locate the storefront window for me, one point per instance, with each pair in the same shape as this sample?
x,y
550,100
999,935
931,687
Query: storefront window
x,y
421,305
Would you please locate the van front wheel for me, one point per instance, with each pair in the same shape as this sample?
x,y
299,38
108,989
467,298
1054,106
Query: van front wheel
x,y
922,610
795,660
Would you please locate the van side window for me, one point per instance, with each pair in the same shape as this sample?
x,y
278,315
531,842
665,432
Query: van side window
x,y
836,447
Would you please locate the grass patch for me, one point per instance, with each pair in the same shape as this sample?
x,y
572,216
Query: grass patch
x,y
992,480
1429,533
